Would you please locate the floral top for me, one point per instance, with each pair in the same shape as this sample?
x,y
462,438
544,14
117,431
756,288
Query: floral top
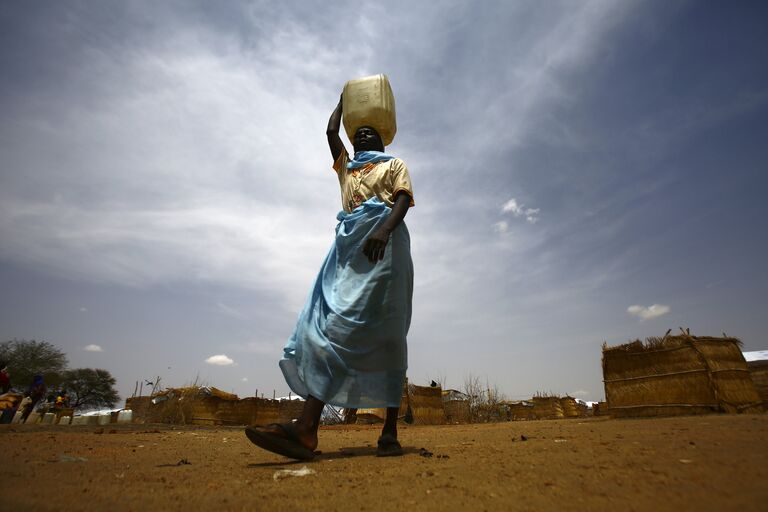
x,y
383,180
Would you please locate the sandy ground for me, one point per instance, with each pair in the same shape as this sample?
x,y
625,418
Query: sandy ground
x,y
714,462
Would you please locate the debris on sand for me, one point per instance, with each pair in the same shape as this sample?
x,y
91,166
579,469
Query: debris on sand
x,y
68,458
425,453
182,462
285,473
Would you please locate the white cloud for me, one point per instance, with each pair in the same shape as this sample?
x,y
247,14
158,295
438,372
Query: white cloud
x,y
501,226
244,379
579,393
519,210
220,360
646,313
83,310
93,348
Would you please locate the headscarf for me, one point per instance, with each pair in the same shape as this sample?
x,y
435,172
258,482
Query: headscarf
x,y
367,157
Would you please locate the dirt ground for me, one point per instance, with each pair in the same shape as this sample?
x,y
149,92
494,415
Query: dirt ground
x,y
717,462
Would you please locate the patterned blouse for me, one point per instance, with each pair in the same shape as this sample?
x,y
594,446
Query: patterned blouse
x,y
383,180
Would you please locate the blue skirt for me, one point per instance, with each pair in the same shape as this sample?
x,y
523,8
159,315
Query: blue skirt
x,y
349,346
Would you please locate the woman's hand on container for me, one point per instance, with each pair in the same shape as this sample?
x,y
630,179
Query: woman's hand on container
x,y
376,245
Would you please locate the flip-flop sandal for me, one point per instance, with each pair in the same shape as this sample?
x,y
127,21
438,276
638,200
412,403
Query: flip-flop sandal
x,y
287,444
388,446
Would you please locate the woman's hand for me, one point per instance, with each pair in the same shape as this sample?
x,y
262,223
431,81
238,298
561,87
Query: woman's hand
x,y
376,245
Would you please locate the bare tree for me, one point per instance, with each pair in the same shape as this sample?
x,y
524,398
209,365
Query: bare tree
x,y
474,391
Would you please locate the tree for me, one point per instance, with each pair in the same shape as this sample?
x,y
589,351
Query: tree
x,y
89,387
474,391
27,358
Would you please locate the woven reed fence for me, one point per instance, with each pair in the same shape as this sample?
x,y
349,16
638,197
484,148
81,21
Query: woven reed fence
x,y
210,406
547,408
426,403
456,411
677,375
758,370
572,408
520,411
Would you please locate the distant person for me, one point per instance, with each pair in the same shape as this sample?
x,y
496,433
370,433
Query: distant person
x,y
36,392
349,346
5,378
62,400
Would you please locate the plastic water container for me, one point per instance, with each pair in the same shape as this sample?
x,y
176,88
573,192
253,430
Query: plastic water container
x,y
125,416
369,101
78,420
105,418
17,417
34,417
93,419
48,418
64,420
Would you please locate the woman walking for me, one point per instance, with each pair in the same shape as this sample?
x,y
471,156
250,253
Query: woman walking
x,y
349,345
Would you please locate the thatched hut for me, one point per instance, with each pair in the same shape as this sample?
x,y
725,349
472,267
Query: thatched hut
x,y
677,375
547,408
572,408
457,411
520,410
426,404
456,406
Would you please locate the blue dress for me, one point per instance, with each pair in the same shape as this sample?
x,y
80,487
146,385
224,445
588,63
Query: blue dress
x,y
349,346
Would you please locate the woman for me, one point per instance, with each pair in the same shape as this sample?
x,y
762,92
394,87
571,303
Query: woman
x,y
36,392
349,346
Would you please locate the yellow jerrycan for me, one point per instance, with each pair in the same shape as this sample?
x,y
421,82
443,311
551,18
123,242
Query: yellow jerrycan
x,y
369,101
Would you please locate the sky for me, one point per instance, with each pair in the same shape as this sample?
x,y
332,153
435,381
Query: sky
x,y
584,172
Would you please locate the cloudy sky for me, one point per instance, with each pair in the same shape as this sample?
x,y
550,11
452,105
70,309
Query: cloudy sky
x,y
583,172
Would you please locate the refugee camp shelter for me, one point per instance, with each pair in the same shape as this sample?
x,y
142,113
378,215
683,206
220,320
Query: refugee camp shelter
x,y
210,406
519,410
547,408
456,406
424,402
676,375
757,362
573,408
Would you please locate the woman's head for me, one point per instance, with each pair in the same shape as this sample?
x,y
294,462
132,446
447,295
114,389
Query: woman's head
x,y
367,139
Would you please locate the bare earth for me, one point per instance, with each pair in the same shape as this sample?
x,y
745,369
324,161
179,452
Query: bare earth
x,y
717,462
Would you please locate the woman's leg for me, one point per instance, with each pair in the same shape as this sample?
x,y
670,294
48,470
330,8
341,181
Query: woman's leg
x,y
390,424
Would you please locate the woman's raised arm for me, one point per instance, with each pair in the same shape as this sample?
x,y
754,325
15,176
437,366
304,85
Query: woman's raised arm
x,y
334,141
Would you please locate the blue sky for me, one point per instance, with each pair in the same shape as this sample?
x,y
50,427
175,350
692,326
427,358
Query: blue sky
x,y
583,172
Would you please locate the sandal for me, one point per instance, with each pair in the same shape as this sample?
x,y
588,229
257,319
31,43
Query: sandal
x,y
287,444
388,446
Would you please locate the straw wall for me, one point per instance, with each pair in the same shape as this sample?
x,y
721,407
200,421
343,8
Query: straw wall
x,y
456,411
197,407
426,404
547,408
520,411
677,375
758,370
600,409
570,407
